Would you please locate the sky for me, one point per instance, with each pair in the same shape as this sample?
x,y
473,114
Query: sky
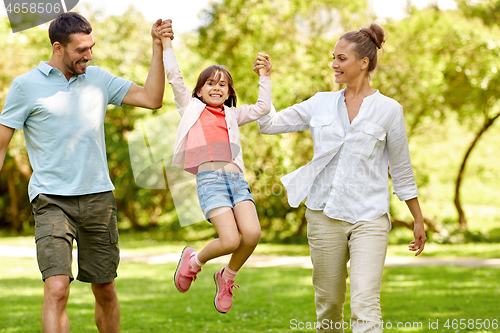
x,y
185,13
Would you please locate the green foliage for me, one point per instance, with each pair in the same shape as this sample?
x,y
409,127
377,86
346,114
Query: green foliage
x,y
437,61
21,52
293,32
487,10
441,66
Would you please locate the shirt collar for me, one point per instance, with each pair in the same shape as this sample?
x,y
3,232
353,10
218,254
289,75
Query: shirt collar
x,y
376,93
45,68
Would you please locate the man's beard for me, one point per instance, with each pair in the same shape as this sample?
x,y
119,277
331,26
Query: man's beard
x,y
72,66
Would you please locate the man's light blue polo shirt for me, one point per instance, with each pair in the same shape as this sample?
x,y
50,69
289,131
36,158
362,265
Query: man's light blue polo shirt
x,y
63,123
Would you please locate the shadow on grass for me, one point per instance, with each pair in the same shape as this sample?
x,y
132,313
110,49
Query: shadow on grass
x,y
20,304
428,294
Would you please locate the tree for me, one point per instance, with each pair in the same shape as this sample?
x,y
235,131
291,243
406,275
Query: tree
x,y
445,62
487,10
22,52
435,64
480,78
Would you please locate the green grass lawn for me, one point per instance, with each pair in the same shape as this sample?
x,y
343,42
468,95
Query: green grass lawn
x,y
269,300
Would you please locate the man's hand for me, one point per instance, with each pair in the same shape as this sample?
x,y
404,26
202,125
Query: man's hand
x,y
151,95
262,65
162,29
154,32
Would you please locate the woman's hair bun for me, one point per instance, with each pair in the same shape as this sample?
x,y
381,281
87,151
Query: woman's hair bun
x,y
366,43
376,33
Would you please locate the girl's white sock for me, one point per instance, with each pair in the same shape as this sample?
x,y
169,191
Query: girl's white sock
x,y
195,263
229,274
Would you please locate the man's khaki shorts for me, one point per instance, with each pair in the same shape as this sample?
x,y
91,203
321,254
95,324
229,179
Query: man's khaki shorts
x,y
88,219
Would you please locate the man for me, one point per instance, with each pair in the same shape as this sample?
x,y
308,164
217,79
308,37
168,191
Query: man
x,y
61,106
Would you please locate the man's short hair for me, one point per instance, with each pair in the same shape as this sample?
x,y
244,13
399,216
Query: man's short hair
x,y
67,24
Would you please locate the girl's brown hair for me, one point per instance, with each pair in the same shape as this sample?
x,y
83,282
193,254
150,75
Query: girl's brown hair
x,y
215,73
366,43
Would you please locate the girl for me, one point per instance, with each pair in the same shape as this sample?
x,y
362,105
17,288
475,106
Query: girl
x,y
357,134
208,143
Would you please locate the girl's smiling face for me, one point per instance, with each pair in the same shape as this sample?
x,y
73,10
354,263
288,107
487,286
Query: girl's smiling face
x,y
215,92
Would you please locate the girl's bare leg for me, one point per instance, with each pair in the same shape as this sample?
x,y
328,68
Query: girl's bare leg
x,y
224,222
249,228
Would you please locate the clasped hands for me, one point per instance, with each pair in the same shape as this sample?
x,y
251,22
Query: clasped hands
x,y
162,29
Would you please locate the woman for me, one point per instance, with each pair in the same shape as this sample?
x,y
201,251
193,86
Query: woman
x,y
357,133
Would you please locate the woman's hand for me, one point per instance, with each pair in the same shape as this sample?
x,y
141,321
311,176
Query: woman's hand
x,y
262,65
420,238
418,227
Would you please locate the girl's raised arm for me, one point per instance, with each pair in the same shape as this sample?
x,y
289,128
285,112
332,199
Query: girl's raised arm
x,y
181,91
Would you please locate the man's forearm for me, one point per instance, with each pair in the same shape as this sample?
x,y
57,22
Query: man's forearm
x,y
2,157
155,82
5,137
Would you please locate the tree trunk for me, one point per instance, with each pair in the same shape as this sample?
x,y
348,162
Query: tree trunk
x,y
23,165
14,205
302,225
458,205
129,212
429,223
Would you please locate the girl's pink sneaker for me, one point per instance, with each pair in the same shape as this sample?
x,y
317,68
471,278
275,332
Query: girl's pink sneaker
x,y
184,275
224,295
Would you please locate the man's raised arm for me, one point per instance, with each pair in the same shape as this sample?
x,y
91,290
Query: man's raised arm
x,y
151,95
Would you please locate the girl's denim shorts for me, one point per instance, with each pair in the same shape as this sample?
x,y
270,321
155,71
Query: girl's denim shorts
x,y
221,189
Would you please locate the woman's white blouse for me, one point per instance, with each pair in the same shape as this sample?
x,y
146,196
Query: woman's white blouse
x,y
351,166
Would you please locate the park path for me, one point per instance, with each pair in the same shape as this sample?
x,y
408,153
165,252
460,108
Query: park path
x,y
259,260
